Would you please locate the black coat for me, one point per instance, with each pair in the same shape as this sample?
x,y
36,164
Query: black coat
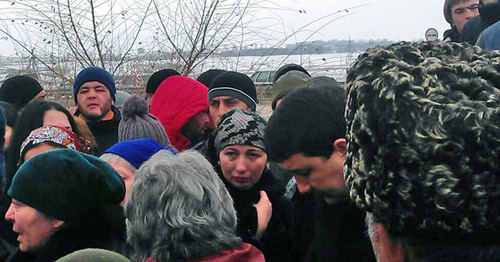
x,y
339,233
105,132
276,242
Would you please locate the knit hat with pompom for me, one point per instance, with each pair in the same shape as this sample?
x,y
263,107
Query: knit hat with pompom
x,y
137,123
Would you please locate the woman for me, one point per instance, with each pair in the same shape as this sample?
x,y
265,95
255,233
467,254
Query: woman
x,y
265,216
34,115
63,201
179,210
48,138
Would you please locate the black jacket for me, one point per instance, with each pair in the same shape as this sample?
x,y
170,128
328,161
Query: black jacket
x,y
276,242
105,132
339,233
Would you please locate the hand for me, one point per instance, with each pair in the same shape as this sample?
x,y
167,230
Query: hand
x,y
264,213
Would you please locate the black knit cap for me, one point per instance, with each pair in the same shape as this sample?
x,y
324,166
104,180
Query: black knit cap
x,y
158,77
238,127
287,68
19,90
209,75
235,85
66,184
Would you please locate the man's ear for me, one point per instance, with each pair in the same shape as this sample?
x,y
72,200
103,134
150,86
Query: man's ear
x,y
57,224
340,145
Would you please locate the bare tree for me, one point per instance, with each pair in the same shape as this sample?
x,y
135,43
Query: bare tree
x,y
67,35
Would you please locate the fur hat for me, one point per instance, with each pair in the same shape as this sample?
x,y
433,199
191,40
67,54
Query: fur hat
x,y
423,126
65,184
94,74
288,82
235,85
19,90
238,127
137,122
158,77
136,151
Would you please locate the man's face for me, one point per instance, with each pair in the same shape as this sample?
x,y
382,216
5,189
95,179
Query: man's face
x,y
324,175
219,105
463,11
33,227
94,100
196,128
41,95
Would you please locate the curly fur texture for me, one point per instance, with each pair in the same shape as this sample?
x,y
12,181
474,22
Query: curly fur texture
x,y
179,209
423,126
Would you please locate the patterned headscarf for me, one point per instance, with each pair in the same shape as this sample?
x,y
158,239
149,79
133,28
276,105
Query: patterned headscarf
x,y
54,135
238,127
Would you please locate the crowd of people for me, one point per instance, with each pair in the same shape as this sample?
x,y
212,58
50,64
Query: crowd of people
x,y
400,163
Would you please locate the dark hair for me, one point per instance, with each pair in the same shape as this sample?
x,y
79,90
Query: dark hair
x,y
308,121
31,117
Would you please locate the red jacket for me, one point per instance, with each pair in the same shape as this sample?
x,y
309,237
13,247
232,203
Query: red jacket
x,y
244,253
177,99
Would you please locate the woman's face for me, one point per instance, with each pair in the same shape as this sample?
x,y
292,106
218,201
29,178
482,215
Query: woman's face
x,y
56,118
242,165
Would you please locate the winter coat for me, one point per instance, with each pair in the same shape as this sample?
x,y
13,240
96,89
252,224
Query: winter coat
x,y
339,233
105,132
276,241
177,99
89,231
244,253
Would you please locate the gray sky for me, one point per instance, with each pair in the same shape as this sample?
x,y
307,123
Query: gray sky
x,y
367,19
373,19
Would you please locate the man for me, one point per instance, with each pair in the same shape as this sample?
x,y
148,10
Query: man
x,y
20,90
94,92
155,80
231,90
181,105
306,134
424,145
457,13
489,13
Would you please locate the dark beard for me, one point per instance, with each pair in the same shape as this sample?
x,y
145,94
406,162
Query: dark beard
x,y
93,118
191,132
334,195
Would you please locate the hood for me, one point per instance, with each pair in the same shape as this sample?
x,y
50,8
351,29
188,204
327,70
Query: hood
x,y
177,99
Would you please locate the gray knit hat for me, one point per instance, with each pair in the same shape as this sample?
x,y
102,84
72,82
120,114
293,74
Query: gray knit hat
x,y
137,123
238,127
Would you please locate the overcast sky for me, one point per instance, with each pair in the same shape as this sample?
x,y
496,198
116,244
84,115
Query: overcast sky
x,y
367,19
373,19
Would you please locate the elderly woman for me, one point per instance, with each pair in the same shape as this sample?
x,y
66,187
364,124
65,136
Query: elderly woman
x,y
179,210
265,217
63,201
